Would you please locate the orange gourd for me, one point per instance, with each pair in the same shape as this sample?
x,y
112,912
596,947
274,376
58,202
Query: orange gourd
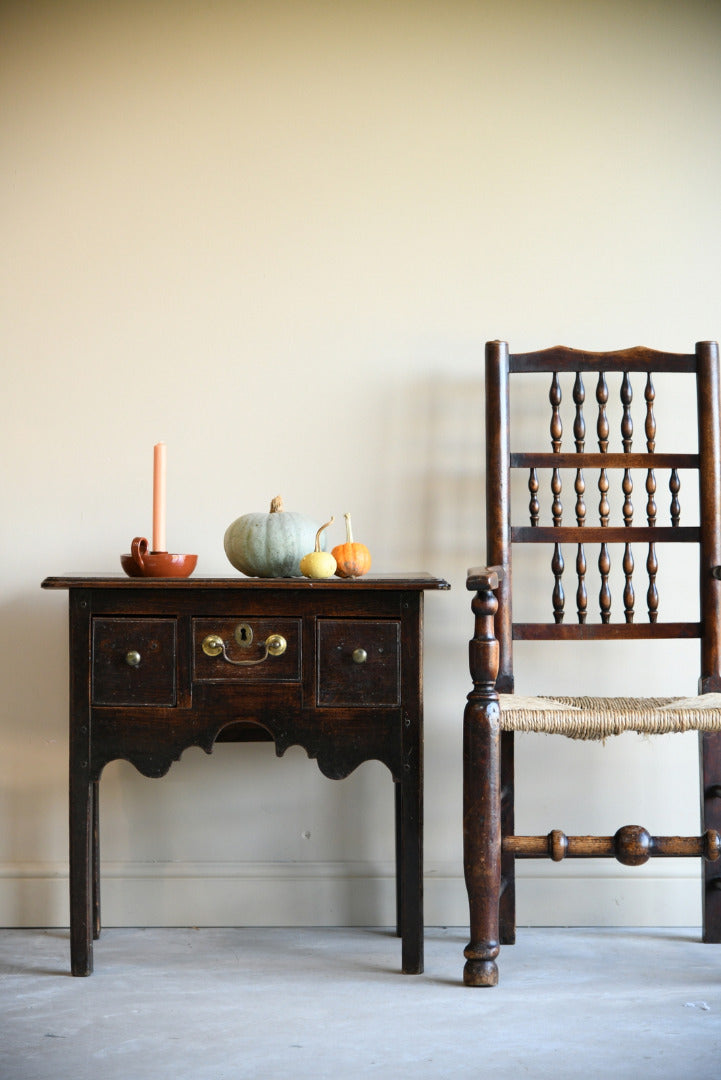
x,y
353,559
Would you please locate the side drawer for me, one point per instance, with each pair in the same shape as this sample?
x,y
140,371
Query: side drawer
x,y
134,661
358,662
245,658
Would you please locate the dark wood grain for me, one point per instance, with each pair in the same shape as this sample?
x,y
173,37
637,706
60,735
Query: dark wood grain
x,y
604,534
574,460
632,845
561,358
384,583
710,775
482,795
708,393
611,631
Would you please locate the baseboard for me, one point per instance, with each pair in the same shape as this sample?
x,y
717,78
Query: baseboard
x,y
346,894
604,894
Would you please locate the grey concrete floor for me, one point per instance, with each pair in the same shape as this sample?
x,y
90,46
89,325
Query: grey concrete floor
x,y
226,1004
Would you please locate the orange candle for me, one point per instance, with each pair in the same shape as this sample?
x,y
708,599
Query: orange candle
x,y
159,469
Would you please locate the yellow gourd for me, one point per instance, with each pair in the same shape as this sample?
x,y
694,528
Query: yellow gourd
x,y
318,564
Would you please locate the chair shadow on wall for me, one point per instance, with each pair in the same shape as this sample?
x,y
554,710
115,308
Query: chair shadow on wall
x,y
432,514
434,511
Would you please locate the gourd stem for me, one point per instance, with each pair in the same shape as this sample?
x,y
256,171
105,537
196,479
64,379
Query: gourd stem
x,y
320,530
276,505
348,532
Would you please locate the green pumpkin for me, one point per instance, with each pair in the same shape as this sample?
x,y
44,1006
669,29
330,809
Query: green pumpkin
x,y
270,545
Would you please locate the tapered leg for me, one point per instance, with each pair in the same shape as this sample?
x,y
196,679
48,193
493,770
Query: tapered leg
x,y
411,886
81,843
96,859
710,755
409,797
81,791
482,838
399,859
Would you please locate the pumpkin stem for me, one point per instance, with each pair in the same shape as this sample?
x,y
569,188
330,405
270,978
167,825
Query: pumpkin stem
x,y
320,530
276,505
348,532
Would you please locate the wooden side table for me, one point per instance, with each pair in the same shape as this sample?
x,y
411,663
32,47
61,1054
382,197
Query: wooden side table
x,y
158,665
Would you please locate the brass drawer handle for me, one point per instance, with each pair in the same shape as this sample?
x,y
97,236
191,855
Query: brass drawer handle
x,y
274,645
360,656
133,658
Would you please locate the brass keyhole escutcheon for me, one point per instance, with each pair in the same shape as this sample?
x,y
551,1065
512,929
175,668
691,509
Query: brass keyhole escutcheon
x,y
243,635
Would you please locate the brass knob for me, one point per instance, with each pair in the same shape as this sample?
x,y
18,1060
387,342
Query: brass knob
x,y
132,659
213,645
276,644
360,656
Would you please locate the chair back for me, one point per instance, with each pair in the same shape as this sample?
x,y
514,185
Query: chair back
x,y
598,462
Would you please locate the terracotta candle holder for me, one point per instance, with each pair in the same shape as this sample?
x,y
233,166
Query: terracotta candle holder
x,y
145,563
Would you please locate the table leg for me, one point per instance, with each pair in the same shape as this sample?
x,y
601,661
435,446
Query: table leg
x,y
81,892
81,791
399,859
95,859
411,878
410,787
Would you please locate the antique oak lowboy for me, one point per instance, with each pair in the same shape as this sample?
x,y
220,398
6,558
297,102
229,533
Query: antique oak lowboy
x,y
158,665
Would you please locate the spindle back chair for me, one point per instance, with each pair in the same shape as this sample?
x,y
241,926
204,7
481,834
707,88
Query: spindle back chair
x,y
493,712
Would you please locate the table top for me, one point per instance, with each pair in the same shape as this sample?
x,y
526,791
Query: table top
x,y
381,582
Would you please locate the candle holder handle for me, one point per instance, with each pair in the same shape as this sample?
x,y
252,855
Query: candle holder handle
x,y
138,551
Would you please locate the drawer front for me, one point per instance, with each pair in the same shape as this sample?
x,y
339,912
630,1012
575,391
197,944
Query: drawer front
x,y
358,662
134,661
246,658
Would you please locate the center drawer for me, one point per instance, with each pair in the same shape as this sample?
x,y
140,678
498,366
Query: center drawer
x,y
247,649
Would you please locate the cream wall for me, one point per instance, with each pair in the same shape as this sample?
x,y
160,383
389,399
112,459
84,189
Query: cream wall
x,y
276,236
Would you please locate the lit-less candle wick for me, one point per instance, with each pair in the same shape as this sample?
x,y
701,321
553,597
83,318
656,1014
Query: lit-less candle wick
x,y
159,471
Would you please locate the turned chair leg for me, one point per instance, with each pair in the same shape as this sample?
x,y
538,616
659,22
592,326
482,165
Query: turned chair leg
x,y
482,837
710,762
507,911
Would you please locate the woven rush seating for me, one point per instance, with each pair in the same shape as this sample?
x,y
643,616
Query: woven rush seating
x,y
600,717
